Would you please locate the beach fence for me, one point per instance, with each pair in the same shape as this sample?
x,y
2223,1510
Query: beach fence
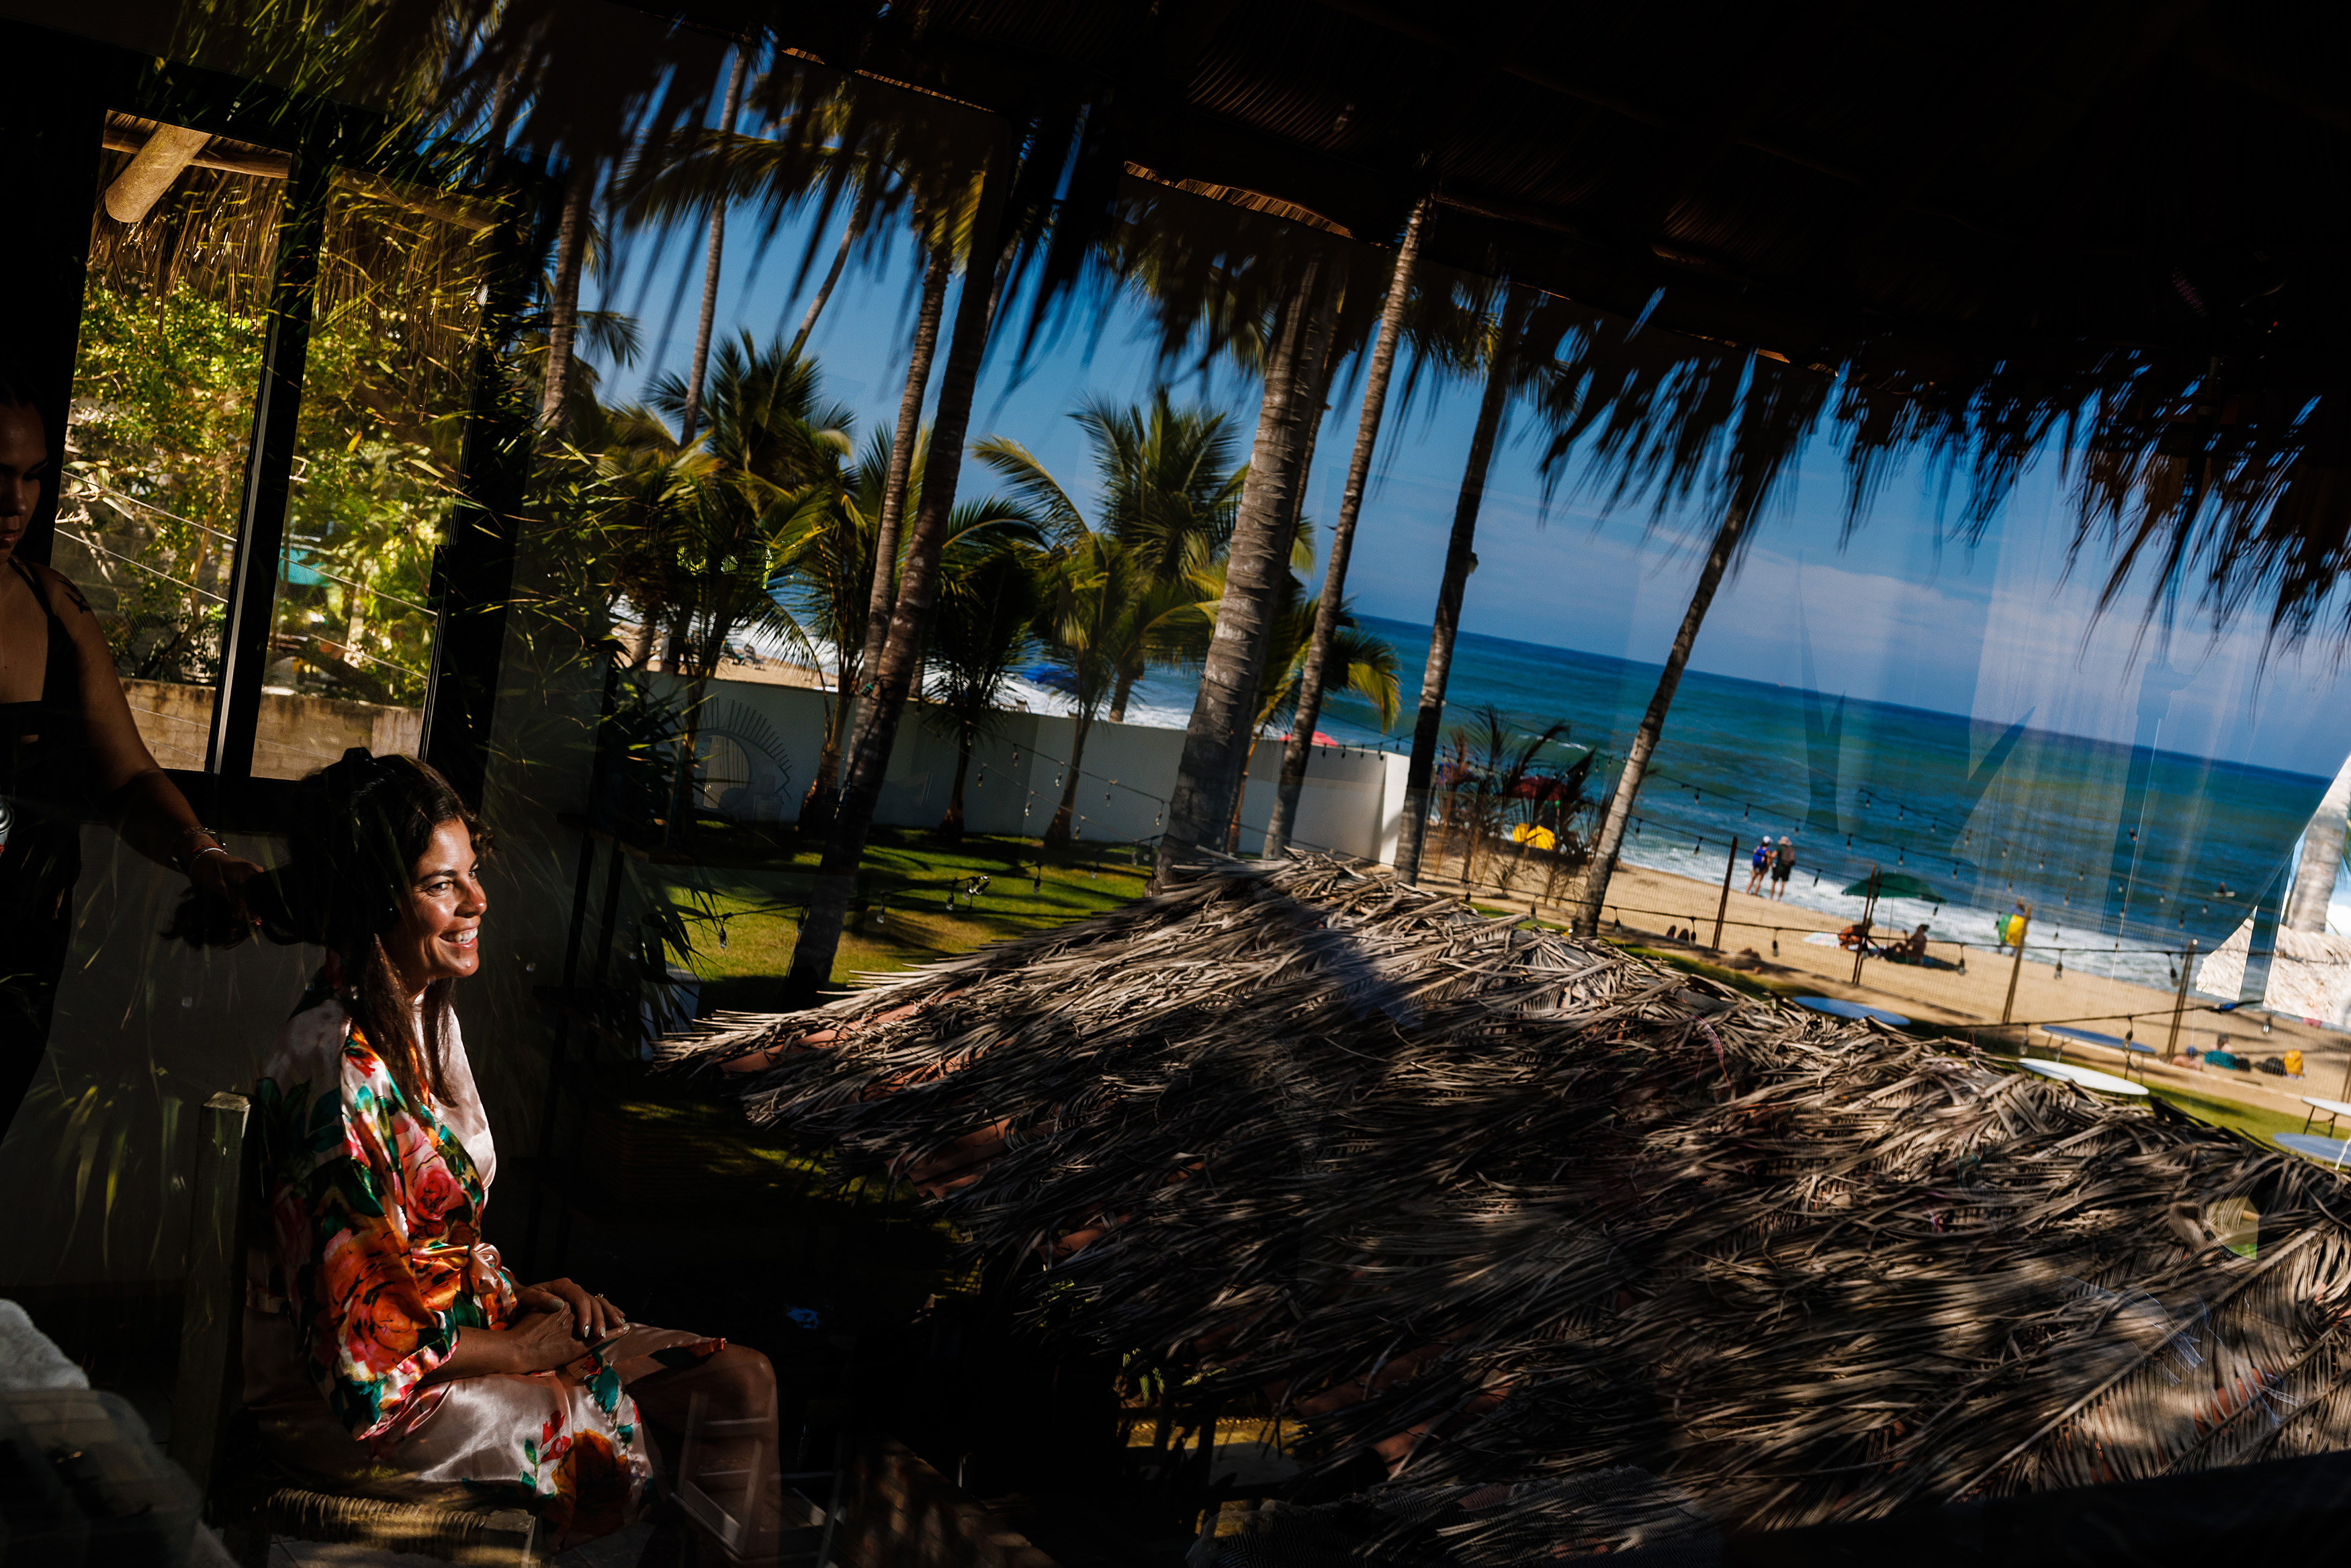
x,y
759,745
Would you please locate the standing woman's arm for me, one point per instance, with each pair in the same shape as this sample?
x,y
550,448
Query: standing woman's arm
x,y
151,812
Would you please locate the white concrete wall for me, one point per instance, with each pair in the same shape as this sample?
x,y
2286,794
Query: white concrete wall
x,y
1351,803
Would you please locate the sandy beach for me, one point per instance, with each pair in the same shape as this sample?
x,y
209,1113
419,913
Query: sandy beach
x,y
1647,903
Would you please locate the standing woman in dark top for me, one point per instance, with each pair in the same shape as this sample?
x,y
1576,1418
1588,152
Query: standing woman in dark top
x,y
68,750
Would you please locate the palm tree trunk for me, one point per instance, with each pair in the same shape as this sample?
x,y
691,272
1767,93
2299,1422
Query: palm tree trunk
x,y
1316,374
1590,893
1342,538
1240,796
1461,560
563,307
815,807
648,633
901,456
1118,697
1057,832
692,418
951,825
910,617
832,276
1215,742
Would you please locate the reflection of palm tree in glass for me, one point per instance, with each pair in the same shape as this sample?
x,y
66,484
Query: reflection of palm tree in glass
x,y
769,472
1102,617
1494,344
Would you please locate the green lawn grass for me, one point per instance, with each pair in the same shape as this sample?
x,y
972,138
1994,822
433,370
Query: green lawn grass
x,y
1738,980
2256,1122
900,917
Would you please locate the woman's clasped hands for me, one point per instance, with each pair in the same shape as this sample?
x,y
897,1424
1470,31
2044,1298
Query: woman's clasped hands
x,y
555,1324
587,1318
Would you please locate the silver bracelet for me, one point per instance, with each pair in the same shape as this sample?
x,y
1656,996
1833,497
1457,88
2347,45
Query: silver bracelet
x,y
208,849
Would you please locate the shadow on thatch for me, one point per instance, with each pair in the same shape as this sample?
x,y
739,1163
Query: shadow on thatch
x,y
1586,1253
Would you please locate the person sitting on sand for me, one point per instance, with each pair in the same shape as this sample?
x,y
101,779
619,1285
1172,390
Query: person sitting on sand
x,y
1855,938
1911,949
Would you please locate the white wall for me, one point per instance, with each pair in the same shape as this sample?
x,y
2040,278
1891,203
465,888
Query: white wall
x,y
1351,804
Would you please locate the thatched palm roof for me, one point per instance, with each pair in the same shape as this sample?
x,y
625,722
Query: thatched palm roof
x,y
1585,1252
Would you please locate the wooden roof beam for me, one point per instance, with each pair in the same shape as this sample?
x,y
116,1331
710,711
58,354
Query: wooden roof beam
x,y
228,159
163,154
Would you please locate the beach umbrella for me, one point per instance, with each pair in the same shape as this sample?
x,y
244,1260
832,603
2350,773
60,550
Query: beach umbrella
x,y
1893,885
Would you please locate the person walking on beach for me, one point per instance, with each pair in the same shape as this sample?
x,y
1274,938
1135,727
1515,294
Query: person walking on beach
x,y
1783,862
1759,865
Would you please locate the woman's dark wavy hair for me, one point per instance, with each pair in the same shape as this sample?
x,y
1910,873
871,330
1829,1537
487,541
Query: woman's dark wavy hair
x,y
360,827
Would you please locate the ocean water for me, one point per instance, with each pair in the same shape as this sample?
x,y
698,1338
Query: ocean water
x,y
2125,853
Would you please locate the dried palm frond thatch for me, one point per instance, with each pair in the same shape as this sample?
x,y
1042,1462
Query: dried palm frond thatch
x,y
1586,1252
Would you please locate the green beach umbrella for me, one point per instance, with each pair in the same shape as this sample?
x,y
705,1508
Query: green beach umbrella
x,y
1895,885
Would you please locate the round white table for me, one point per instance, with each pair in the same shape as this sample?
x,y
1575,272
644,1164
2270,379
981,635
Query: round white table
x,y
2333,1109
2326,1150
2087,1077
2063,1035
1837,1007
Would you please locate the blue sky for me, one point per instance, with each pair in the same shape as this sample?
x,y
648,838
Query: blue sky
x,y
1895,615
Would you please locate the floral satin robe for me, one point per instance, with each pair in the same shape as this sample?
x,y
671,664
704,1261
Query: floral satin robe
x,y
373,1261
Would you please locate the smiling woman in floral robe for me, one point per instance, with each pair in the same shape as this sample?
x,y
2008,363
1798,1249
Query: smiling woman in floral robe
x,y
373,1263
388,1352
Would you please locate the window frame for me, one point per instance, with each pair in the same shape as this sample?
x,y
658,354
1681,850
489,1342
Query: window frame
x,y
472,570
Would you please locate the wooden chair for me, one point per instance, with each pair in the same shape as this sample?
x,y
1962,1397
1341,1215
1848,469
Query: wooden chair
x,y
212,1440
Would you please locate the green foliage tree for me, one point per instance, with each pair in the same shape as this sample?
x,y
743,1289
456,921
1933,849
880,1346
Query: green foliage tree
x,y
1102,617
170,357
828,571
1168,490
776,451
989,599
1122,591
163,392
